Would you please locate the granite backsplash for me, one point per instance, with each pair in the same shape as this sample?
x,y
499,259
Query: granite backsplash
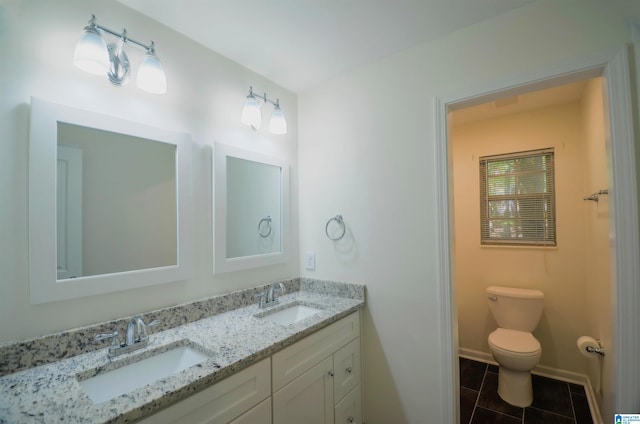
x,y
21,355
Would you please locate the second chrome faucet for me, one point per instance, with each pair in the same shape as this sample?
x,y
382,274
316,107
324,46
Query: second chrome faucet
x,y
269,298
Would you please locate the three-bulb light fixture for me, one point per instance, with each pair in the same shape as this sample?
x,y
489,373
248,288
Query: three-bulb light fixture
x,y
252,114
93,55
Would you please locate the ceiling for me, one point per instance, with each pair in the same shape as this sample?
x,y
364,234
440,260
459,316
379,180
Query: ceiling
x,y
301,43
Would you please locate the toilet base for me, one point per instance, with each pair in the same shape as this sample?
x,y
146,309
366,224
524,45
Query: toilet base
x,y
514,387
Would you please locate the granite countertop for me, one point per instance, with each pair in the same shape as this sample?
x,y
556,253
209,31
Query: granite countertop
x,y
234,339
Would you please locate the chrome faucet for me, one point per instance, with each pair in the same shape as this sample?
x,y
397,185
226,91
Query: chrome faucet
x,y
136,331
271,298
268,298
136,338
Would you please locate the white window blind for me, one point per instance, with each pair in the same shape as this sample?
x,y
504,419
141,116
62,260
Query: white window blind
x,y
517,198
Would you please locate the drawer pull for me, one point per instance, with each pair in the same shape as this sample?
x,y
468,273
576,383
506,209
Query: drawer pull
x,y
350,419
331,374
349,370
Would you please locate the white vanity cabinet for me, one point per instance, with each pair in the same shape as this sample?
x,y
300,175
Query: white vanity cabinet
x,y
243,398
259,414
313,381
317,380
349,409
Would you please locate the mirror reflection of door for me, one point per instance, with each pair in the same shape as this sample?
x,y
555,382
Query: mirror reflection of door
x,y
116,202
69,212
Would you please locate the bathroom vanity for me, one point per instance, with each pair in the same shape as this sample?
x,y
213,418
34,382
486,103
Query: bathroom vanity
x,y
250,364
242,357
311,378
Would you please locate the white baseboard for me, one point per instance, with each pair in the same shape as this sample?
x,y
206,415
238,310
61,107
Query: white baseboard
x,y
476,355
593,403
544,371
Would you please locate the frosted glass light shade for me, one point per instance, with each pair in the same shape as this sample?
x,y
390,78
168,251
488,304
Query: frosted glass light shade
x,y
251,114
91,54
151,77
277,123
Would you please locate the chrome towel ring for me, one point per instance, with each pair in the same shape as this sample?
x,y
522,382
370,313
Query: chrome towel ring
x,y
267,222
338,219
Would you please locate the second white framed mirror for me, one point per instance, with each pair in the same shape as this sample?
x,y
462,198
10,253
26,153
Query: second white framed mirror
x,y
251,209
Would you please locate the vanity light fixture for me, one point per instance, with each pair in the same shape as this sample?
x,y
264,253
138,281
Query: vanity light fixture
x,y
252,114
93,55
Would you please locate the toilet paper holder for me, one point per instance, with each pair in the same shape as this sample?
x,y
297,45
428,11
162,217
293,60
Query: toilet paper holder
x,y
599,350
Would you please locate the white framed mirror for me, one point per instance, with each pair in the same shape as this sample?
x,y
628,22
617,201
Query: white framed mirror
x,y
110,204
251,209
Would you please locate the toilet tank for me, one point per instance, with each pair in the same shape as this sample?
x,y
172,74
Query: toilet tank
x,y
515,309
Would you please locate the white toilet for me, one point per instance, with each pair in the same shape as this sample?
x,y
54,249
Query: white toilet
x,y
517,312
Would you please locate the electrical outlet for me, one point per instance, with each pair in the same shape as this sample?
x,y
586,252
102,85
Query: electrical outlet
x,y
310,261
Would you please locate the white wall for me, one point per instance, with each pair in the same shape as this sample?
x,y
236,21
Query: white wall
x,y
205,96
366,151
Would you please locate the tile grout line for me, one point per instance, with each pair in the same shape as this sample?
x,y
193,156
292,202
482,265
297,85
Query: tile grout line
x,y
552,413
573,408
524,414
475,404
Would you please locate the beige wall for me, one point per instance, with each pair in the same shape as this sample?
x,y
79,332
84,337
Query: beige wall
x,y
575,276
597,252
558,271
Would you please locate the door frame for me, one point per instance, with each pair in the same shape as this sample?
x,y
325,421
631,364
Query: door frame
x,y
625,243
69,212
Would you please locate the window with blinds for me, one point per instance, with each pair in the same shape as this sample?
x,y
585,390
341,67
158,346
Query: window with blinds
x,y
517,198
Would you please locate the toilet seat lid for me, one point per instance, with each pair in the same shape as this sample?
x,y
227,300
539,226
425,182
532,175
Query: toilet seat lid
x,y
514,341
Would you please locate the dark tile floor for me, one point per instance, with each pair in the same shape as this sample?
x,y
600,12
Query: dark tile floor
x,y
553,401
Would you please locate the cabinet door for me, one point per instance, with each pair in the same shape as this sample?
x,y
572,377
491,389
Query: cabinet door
x,y
349,409
259,414
346,366
221,402
308,399
292,361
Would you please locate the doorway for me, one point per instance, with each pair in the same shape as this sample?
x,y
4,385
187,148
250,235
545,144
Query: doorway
x,y
567,259
614,67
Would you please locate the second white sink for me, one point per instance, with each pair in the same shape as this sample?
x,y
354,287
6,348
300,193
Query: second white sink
x,y
110,384
289,314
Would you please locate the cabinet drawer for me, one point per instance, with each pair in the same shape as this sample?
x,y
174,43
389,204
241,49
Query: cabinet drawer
x,y
292,361
259,414
221,402
349,409
346,368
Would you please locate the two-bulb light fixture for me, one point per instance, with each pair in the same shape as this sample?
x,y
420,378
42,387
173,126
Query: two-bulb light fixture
x,y
93,55
252,114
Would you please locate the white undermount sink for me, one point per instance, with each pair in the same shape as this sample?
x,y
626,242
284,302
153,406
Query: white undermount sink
x,y
289,314
113,383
